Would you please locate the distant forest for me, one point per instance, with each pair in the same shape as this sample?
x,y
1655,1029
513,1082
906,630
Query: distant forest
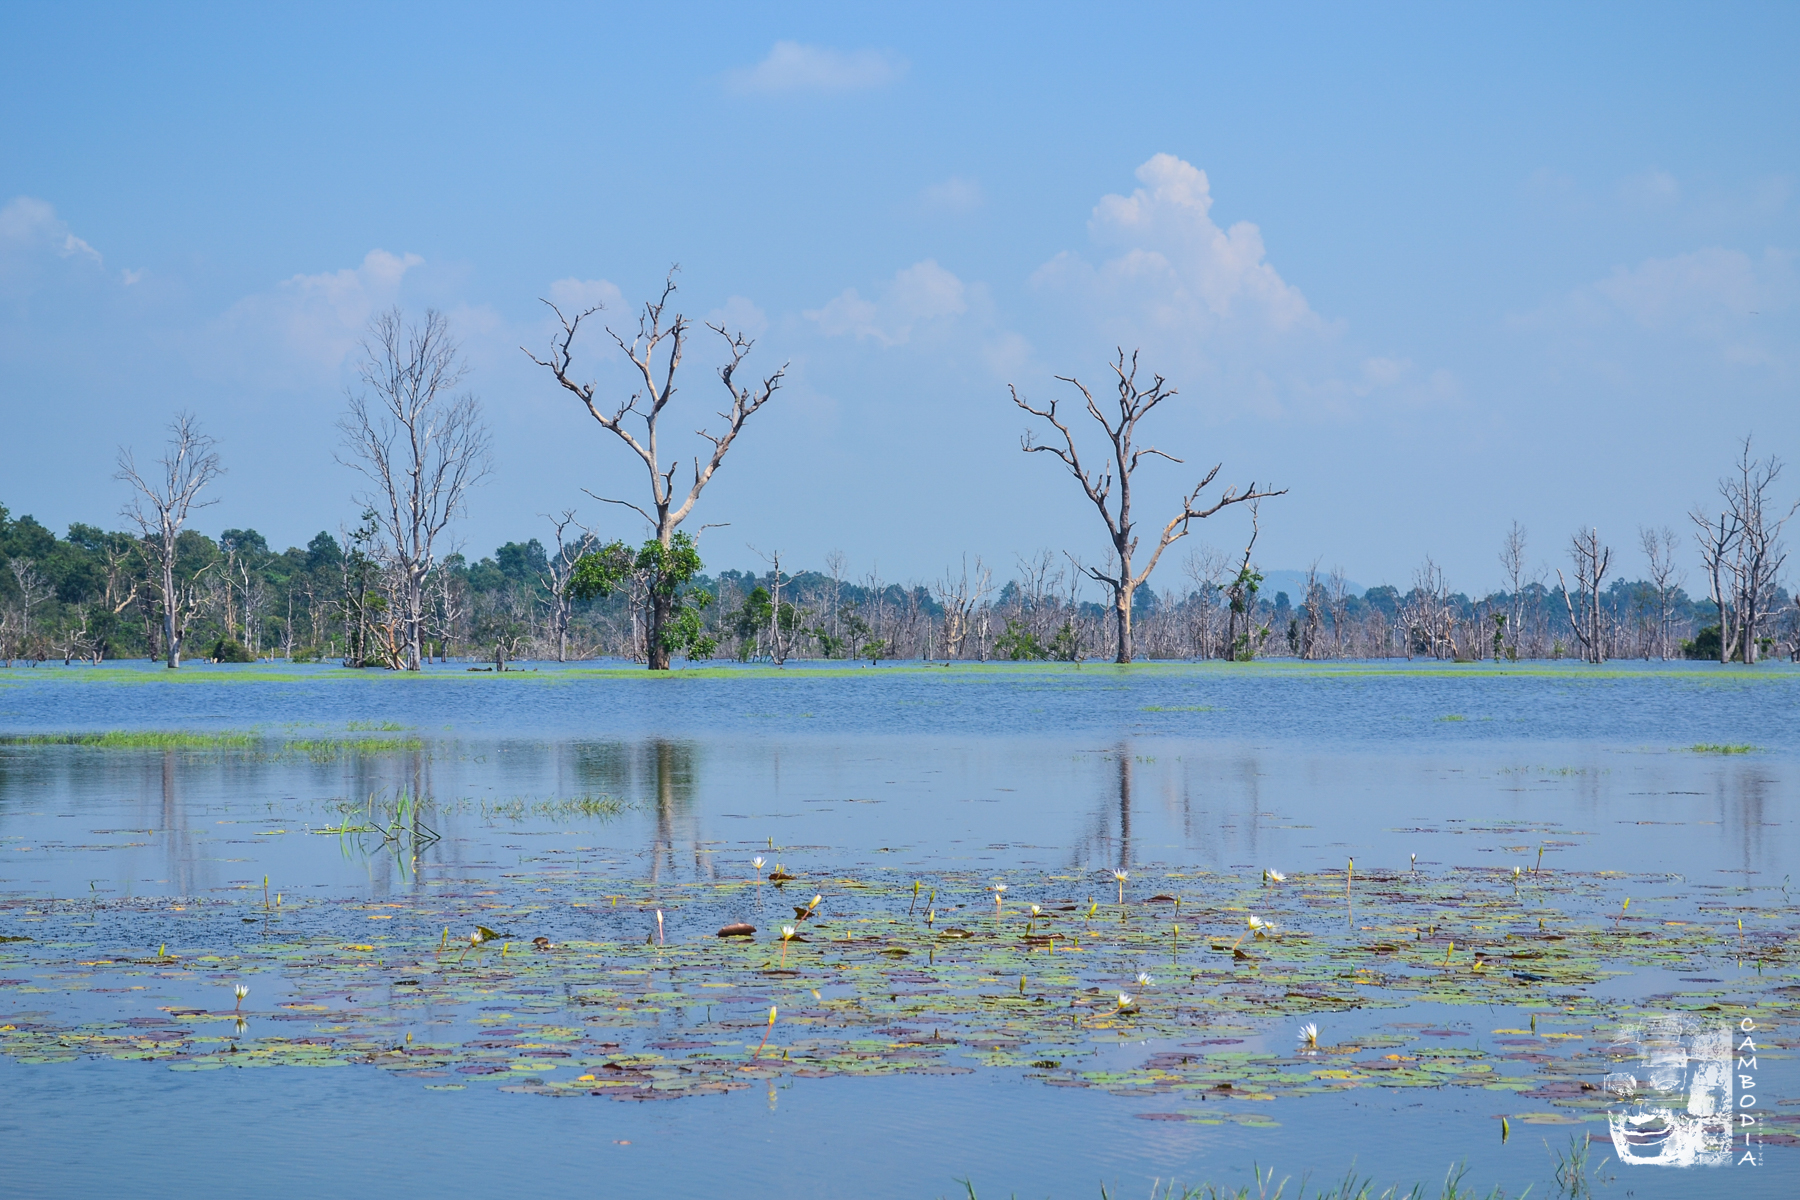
x,y
89,596
391,593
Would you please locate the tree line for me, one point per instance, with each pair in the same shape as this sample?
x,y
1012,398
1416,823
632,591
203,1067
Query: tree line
x,y
390,592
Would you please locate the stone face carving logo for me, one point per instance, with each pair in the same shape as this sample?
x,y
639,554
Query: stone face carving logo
x,y
1676,1101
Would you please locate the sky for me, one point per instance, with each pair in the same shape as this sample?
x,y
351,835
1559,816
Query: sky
x,y
1431,268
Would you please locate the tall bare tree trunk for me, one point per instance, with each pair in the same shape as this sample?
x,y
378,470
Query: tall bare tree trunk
x,y
1122,459
665,514
190,463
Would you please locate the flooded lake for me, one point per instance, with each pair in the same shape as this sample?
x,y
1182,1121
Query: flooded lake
x,y
1052,928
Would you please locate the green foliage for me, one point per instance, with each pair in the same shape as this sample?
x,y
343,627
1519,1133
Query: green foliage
x,y
600,573
664,574
230,650
1019,644
1705,644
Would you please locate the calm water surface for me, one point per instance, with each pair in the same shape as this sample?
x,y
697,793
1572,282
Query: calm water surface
x,y
566,783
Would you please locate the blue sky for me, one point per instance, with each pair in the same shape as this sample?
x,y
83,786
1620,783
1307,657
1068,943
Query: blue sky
x,y
1433,268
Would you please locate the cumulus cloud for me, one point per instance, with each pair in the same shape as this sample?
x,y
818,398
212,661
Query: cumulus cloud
x,y
1176,269
1210,311
794,67
920,293
312,321
953,195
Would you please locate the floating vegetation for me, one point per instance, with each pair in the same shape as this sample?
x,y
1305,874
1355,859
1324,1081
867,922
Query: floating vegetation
x,y
519,808
1722,748
138,739
554,980
153,739
1353,1186
335,747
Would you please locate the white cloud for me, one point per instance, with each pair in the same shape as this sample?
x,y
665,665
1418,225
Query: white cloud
x,y
917,294
1724,304
740,315
1697,292
1177,269
30,223
578,295
953,195
793,67
312,321
1211,312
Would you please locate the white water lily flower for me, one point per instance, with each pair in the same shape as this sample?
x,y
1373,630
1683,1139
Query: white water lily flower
x,y
1124,1000
787,931
1309,1035
1144,980
1035,910
1275,876
1121,876
757,862
240,991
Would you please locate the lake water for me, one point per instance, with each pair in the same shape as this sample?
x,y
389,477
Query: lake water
x,y
1488,872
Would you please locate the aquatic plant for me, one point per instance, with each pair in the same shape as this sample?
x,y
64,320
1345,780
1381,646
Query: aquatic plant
x,y
136,739
1121,876
766,1032
1309,1035
240,991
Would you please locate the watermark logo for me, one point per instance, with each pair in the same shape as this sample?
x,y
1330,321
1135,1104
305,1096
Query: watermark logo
x,y
1683,1104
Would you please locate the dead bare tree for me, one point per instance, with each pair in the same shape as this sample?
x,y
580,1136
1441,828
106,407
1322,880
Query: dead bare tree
x,y
160,509
1592,558
666,511
1666,578
1241,641
961,596
421,446
1512,562
559,577
1205,568
34,589
1760,552
1135,403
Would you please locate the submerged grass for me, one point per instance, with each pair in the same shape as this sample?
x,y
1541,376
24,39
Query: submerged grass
x,y
171,739
136,739
1722,748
